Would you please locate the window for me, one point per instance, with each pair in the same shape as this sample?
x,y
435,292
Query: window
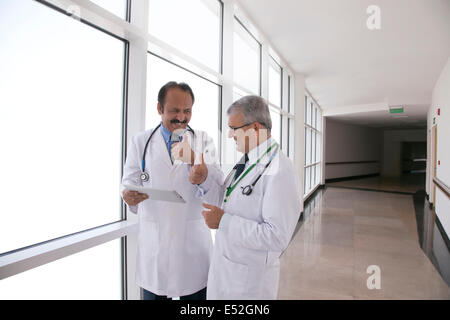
x,y
71,91
276,125
237,94
291,138
290,123
91,274
313,139
117,7
205,111
61,129
193,27
246,59
274,83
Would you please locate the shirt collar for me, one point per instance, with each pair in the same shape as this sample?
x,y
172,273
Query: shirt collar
x,y
165,133
258,151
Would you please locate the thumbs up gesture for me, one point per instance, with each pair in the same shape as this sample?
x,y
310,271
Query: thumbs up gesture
x,y
199,172
182,151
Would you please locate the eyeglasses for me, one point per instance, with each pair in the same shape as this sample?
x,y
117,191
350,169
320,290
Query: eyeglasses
x,y
235,128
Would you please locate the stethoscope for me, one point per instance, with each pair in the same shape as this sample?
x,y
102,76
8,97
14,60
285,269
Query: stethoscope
x,y
144,175
248,189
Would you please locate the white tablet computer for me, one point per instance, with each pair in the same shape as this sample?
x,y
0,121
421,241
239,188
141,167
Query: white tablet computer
x,y
157,194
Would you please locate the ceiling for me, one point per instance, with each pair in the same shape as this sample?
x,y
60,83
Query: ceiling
x,y
346,64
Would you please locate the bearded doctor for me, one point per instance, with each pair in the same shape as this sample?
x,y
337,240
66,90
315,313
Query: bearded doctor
x,y
174,244
257,212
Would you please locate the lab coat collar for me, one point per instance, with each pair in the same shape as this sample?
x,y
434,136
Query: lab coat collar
x,y
258,151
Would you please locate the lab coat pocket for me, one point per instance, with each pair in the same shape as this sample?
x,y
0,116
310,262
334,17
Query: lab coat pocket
x,y
235,278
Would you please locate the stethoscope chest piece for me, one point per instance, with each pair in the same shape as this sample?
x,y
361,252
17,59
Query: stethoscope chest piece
x,y
247,190
145,176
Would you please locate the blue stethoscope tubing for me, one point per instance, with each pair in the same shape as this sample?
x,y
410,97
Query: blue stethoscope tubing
x,y
144,175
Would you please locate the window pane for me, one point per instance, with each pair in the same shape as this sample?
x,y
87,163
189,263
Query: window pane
x,y
289,94
307,179
205,112
308,112
319,120
55,98
191,26
315,118
291,139
118,7
246,58
274,83
313,178
306,109
313,152
276,125
318,167
237,94
90,274
308,146
318,147
288,137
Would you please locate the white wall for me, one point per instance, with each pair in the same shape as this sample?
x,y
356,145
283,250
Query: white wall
x,y
441,99
392,149
350,143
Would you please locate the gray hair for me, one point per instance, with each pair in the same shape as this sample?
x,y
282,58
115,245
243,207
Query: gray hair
x,y
254,109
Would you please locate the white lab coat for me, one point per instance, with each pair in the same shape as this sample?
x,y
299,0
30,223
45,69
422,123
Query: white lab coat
x,y
174,244
254,231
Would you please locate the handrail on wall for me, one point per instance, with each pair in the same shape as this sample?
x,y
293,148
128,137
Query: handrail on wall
x,y
441,185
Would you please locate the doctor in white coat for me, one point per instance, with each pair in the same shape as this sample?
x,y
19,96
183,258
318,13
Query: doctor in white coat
x,y
258,210
174,244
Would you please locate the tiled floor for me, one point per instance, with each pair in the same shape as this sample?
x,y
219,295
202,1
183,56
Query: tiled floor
x,y
346,232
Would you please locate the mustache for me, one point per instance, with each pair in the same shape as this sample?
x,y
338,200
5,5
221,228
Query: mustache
x,y
178,121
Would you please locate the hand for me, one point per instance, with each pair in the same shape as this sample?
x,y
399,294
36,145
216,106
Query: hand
x,y
182,151
199,172
133,198
212,216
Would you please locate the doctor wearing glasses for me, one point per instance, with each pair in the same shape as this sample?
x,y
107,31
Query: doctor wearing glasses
x,y
257,211
174,244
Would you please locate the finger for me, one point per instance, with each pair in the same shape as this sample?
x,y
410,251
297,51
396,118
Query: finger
x,y
207,206
202,160
138,198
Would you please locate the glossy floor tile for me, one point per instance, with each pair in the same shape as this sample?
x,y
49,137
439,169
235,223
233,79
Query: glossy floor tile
x,y
343,234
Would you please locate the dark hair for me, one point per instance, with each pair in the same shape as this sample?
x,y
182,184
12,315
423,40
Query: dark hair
x,y
172,84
